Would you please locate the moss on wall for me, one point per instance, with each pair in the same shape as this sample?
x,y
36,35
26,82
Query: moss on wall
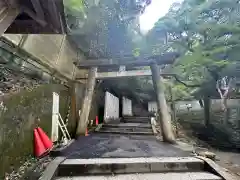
x,y
17,121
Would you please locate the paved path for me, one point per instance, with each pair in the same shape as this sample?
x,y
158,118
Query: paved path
x,y
108,145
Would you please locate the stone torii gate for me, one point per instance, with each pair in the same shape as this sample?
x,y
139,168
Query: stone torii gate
x,y
157,77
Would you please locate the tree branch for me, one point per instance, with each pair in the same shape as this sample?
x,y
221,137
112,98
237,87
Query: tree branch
x,y
187,85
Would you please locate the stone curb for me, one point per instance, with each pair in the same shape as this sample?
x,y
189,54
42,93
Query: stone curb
x,y
52,169
129,165
215,168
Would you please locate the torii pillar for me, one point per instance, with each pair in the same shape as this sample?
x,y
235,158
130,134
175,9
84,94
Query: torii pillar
x,y
164,117
87,101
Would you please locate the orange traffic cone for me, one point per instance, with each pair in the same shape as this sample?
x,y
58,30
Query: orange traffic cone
x,y
39,148
96,120
45,139
86,132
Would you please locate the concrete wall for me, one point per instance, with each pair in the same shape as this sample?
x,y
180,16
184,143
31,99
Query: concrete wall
x,y
52,50
18,113
111,108
126,107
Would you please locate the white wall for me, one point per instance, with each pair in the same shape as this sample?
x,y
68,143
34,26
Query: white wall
x,y
111,108
126,107
182,105
231,103
152,106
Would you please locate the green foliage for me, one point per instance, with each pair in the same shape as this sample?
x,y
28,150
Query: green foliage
x,y
104,28
136,52
74,6
207,33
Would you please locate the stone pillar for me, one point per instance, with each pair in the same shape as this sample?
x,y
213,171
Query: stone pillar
x,y
164,117
87,101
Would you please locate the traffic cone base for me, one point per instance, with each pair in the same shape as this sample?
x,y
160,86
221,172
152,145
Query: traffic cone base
x,y
45,139
86,132
39,148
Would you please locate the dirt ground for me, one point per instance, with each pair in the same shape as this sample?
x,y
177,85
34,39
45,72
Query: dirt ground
x,y
229,160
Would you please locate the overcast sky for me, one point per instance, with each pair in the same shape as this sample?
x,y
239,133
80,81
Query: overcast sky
x,y
156,10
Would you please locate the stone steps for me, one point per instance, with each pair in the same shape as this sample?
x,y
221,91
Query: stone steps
x,y
103,166
142,125
126,132
139,168
137,120
152,168
127,128
150,176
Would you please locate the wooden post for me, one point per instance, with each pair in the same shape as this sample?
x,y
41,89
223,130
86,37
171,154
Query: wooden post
x,y
86,106
164,117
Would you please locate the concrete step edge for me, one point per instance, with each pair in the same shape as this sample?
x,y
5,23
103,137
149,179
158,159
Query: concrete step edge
x,y
132,125
138,121
126,132
152,176
132,160
128,128
129,165
136,117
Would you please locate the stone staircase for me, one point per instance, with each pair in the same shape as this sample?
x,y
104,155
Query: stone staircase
x,y
152,168
119,153
135,119
129,125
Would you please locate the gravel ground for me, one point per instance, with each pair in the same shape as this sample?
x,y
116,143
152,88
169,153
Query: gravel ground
x,y
29,170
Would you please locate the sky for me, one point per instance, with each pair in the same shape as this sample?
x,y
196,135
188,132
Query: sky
x,y
156,10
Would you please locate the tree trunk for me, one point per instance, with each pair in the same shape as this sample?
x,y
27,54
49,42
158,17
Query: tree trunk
x,y
206,111
164,117
86,106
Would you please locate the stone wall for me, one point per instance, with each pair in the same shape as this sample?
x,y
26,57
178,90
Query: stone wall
x,y
18,113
